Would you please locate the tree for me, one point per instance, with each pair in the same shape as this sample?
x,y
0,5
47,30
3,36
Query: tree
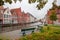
x,y
53,17
54,6
40,4
9,1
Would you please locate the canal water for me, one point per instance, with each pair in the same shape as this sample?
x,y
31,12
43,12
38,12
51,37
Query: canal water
x,y
17,33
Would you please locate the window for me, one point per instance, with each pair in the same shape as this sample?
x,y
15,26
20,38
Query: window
x,y
1,21
6,21
5,16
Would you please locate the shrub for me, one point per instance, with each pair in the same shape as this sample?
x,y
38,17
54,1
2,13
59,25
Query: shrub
x,y
46,33
41,30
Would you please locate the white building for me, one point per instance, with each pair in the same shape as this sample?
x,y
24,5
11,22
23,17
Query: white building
x,y
5,16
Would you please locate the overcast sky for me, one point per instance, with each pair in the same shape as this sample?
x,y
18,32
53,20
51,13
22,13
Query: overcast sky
x,y
31,8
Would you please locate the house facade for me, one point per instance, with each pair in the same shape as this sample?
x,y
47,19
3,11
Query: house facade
x,y
1,14
18,16
5,16
14,16
25,17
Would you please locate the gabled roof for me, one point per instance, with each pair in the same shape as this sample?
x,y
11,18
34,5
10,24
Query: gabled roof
x,y
31,15
7,11
17,11
12,10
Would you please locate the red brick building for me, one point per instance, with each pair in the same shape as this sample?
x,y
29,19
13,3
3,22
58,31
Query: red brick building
x,y
18,16
25,17
57,11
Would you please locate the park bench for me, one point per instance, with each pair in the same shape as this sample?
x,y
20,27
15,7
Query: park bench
x,y
28,29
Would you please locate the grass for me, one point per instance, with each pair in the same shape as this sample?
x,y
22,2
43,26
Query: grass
x,y
50,32
51,25
4,38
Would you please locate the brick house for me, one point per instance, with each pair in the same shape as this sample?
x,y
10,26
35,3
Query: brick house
x,y
57,10
25,17
16,15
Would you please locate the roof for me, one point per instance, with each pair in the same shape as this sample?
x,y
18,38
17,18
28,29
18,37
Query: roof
x,y
17,11
25,14
7,11
31,15
12,10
